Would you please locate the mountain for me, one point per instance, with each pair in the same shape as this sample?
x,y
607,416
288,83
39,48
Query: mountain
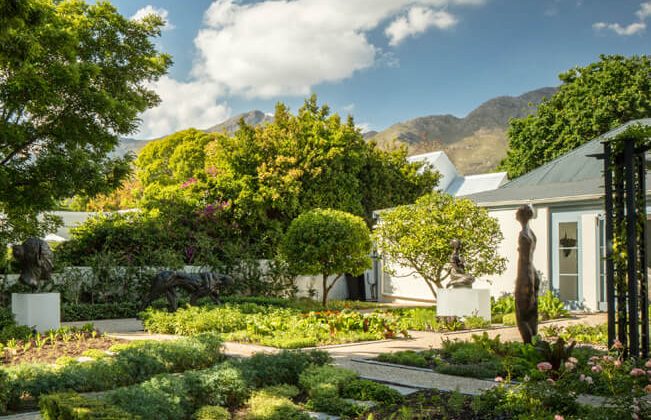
x,y
475,143
231,125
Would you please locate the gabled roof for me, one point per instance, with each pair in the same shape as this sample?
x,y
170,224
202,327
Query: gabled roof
x,y
575,176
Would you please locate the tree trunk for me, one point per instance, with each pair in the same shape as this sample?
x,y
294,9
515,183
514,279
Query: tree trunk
x,y
325,289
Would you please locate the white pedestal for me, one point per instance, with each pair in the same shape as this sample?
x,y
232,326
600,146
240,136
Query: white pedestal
x,y
464,302
39,310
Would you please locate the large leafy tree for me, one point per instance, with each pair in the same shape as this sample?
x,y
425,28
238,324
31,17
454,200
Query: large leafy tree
x,y
261,178
590,101
73,77
418,236
327,242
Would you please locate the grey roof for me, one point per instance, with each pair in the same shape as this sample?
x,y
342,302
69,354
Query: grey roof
x,y
572,177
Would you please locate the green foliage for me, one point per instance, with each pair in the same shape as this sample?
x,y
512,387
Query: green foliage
x,y
501,306
418,236
70,406
87,312
551,307
555,353
365,390
211,412
618,90
133,363
419,319
264,370
75,78
509,319
327,242
277,327
4,391
324,385
580,333
268,404
409,358
224,384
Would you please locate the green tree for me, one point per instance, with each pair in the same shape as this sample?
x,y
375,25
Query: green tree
x,y
590,101
418,236
165,165
72,79
275,172
327,242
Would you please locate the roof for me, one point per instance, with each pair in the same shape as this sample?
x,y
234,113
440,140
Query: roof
x,y
440,162
575,176
471,184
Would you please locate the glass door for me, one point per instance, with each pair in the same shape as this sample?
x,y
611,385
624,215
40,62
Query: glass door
x,y
566,258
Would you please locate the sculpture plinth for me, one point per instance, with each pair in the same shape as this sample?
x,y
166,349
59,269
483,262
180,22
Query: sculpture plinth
x,y
42,311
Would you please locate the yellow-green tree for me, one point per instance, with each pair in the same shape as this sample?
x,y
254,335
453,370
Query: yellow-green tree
x,y
418,236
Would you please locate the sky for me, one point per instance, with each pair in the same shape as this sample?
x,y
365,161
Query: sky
x,y
382,61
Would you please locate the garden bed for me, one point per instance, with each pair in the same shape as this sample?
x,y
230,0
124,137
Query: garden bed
x,y
48,348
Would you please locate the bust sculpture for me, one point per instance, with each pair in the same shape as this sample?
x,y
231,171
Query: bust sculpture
x,y
458,276
35,259
527,282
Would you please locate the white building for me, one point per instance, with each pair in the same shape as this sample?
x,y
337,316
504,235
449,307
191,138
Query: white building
x,y
568,195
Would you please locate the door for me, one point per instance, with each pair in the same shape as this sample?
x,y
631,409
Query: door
x,y
566,258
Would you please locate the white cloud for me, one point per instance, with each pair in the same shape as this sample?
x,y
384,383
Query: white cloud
x,y
348,108
151,10
631,29
626,30
183,105
277,48
645,10
417,21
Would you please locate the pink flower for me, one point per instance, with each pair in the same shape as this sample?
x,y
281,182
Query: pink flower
x,y
617,344
559,417
582,377
637,372
550,381
544,366
588,380
648,364
569,365
608,358
499,379
617,363
594,358
597,369
573,360
647,389
189,182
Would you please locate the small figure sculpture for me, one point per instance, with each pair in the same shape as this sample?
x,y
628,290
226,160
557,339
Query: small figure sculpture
x,y
458,276
527,282
35,259
197,284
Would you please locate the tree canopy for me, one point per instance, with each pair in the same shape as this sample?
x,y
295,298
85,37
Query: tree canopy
x,y
327,242
590,101
73,77
418,236
263,177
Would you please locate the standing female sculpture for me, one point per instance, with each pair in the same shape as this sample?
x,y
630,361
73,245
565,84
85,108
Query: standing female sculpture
x,y
527,281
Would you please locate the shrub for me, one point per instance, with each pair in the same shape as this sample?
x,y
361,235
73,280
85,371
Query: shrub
x,y
211,412
365,390
87,312
504,304
4,391
551,307
149,401
324,385
262,370
317,376
407,357
267,405
133,363
70,406
509,319
223,385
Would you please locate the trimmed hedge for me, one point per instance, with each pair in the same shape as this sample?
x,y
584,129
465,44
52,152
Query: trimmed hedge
x,y
90,312
212,412
71,406
133,363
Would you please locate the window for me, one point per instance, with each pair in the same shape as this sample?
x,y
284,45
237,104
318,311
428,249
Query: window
x,y
568,261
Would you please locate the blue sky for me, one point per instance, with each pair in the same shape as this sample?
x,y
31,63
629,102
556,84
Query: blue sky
x,y
384,61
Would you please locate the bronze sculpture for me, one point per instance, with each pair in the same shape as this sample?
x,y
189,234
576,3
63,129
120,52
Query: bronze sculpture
x,y
198,285
458,276
35,259
527,281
